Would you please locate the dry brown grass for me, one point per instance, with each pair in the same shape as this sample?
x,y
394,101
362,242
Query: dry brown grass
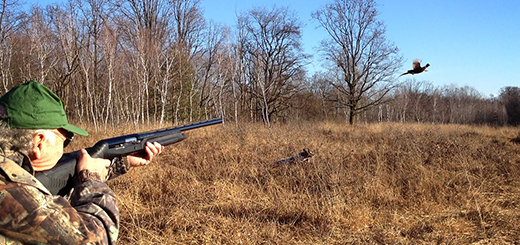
x,y
366,184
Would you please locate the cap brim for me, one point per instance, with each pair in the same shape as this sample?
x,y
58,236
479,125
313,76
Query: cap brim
x,y
75,130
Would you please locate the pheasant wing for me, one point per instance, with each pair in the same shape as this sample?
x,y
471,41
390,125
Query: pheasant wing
x,y
416,64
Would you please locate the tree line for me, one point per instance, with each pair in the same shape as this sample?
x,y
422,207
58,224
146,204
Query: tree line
x,y
161,61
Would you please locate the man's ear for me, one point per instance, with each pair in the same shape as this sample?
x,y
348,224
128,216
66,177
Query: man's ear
x,y
38,140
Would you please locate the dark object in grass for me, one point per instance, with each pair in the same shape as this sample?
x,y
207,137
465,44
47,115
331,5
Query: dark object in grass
x,y
301,157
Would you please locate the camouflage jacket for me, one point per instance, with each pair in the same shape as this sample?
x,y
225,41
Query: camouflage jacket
x,y
29,214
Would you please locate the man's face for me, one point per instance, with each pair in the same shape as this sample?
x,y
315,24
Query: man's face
x,y
56,145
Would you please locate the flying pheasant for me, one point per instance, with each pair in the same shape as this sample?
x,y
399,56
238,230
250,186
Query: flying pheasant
x,y
416,68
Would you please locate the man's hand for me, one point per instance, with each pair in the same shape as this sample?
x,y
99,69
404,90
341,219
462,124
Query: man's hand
x,y
152,150
95,165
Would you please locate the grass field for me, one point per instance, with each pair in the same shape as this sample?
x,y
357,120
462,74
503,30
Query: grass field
x,y
366,184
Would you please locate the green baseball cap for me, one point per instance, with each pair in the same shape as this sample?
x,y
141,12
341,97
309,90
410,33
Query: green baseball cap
x,y
33,106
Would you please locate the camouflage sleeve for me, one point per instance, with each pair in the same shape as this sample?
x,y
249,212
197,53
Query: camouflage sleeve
x,y
30,216
97,203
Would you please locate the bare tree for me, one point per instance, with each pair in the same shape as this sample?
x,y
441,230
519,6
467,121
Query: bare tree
x,y
92,64
9,21
144,28
65,73
321,87
510,97
110,48
274,57
211,55
189,25
365,61
42,47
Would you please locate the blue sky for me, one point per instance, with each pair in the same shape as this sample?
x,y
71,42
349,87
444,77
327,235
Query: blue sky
x,y
468,43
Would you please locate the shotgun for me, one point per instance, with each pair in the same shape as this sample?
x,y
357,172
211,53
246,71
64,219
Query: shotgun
x,y
59,180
